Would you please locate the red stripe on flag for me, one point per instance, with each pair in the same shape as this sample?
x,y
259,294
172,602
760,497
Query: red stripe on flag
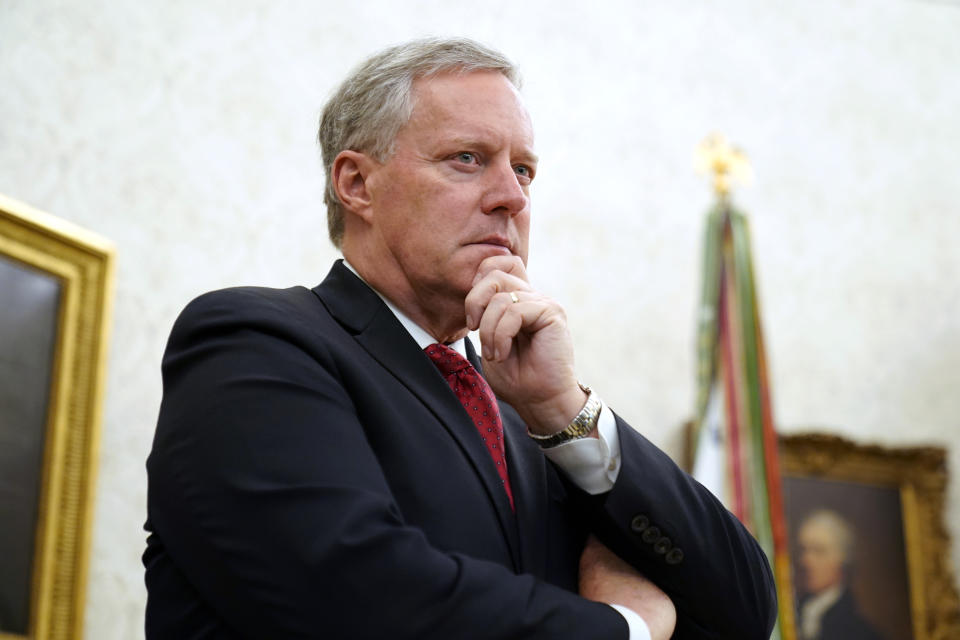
x,y
734,458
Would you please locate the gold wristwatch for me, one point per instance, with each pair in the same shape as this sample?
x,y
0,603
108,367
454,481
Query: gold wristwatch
x,y
582,425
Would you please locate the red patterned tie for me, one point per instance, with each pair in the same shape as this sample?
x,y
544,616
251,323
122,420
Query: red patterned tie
x,y
477,398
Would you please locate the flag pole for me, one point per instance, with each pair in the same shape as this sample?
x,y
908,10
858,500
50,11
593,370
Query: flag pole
x,y
735,440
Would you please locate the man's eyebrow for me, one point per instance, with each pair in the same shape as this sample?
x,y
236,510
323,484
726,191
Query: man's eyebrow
x,y
471,142
529,157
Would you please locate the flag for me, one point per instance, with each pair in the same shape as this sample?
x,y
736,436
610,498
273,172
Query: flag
x,y
735,443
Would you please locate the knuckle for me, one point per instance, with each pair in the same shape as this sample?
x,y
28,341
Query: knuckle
x,y
503,297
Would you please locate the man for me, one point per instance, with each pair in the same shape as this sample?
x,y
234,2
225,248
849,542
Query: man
x,y
331,464
828,610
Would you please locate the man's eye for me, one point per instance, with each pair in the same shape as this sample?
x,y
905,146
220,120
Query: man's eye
x,y
523,170
466,157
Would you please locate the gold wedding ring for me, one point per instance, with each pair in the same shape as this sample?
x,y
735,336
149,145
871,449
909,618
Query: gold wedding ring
x,y
513,296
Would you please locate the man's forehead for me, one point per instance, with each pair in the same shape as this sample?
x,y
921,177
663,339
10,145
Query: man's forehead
x,y
475,98
821,531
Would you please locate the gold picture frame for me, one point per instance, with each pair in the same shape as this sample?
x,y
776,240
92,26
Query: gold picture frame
x,y
79,266
872,486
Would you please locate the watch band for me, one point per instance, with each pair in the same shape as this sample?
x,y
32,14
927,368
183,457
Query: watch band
x,y
580,427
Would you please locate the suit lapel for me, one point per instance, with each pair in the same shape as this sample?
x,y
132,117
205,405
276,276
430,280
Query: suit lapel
x,y
528,481
377,330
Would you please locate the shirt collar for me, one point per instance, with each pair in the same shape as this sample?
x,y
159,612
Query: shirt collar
x,y
418,333
811,615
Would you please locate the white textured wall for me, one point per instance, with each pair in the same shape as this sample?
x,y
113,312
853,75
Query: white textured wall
x,y
183,131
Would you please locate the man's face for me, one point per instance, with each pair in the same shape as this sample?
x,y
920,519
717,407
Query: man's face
x,y
821,557
456,189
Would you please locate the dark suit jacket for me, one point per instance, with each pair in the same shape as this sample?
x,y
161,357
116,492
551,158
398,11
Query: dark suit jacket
x,y
313,476
843,621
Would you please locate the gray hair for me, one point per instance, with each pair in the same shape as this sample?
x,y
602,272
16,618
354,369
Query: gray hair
x,y
370,107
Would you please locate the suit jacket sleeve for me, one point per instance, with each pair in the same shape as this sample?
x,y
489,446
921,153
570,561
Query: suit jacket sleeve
x,y
662,521
271,515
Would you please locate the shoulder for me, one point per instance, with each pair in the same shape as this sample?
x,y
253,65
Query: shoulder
x,y
251,302
253,320
293,309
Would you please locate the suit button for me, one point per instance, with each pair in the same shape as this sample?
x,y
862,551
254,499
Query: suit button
x,y
675,556
650,535
639,523
662,545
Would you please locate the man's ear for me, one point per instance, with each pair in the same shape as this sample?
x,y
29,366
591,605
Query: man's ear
x,y
349,175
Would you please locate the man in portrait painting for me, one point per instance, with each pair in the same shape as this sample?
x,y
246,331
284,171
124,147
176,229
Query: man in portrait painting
x,y
828,610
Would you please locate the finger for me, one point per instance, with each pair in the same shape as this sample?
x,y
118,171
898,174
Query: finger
x,y
512,265
479,297
514,318
491,316
504,319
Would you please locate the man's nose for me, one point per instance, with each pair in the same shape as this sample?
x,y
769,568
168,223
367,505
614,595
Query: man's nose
x,y
504,194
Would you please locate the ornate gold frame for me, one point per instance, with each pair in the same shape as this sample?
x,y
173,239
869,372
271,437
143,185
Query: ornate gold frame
x,y
921,475
83,263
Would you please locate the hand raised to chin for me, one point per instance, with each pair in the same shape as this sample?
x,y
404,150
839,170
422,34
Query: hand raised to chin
x,y
525,343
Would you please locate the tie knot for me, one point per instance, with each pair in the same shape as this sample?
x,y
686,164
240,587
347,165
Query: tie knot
x,y
447,360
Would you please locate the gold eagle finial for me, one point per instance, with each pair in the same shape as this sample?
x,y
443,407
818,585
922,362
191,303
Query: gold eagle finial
x,y
726,163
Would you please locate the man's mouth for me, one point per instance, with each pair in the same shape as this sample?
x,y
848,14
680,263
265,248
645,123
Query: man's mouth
x,y
494,241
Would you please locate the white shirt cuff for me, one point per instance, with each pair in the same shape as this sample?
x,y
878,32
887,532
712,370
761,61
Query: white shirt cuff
x,y
638,627
592,463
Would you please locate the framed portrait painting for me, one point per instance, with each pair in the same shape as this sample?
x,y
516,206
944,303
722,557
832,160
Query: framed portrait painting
x,y
869,551
55,288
